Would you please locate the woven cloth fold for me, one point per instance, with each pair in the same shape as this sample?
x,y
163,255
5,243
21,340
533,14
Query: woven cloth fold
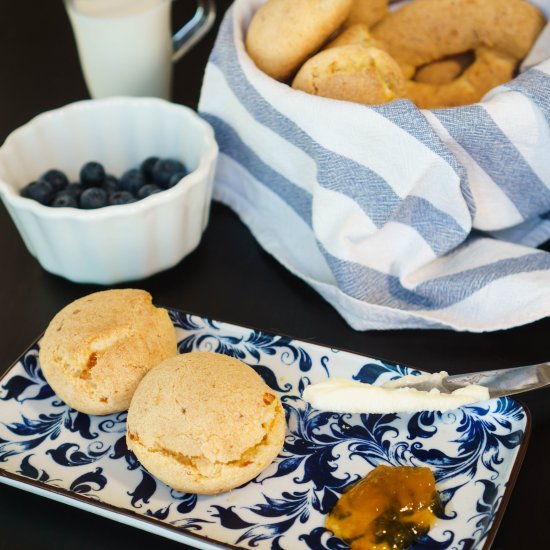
x,y
398,217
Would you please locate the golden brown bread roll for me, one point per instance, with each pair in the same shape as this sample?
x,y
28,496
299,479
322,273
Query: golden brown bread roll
x,y
284,33
352,73
205,423
96,350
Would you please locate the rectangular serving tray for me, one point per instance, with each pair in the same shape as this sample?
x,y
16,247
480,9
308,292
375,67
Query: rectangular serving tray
x,y
475,452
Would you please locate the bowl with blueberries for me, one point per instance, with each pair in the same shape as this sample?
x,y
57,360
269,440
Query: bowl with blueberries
x,y
110,190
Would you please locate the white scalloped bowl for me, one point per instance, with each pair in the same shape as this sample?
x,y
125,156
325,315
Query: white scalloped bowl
x,y
116,243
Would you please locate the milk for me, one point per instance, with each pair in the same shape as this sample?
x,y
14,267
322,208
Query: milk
x,y
112,8
125,46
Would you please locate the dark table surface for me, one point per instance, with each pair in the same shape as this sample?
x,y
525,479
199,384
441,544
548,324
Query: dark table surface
x,y
229,277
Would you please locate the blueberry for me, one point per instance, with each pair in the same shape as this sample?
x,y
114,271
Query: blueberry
x,y
56,178
176,178
121,197
132,180
64,199
39,190
93,197
111,184
92,174
147,167
148,189
164,169
74,188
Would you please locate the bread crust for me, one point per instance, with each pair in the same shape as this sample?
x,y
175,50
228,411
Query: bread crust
x,y
358,33
367,12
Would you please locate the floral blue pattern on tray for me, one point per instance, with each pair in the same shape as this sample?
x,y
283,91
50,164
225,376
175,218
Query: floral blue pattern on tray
x,y
474,452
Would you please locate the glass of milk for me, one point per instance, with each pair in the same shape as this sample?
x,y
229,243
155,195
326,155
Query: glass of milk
x,y
126,47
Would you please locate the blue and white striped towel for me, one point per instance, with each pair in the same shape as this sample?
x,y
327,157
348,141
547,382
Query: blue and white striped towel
x,y
398,217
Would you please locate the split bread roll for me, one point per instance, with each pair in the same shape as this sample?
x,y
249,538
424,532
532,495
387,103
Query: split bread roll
x,y
205,423
97,349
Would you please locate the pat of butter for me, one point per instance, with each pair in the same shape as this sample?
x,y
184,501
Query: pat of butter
x,y
349,396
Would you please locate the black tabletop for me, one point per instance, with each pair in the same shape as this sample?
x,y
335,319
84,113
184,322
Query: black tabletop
x,y
229,277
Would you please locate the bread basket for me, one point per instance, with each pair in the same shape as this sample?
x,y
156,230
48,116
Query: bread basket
x,y
399,217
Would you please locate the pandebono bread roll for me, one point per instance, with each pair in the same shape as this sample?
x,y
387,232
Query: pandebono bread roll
x,y
352,73
284,33
96,350
204,423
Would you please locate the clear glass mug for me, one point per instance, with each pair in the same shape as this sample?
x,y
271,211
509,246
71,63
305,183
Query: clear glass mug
x,y
126,47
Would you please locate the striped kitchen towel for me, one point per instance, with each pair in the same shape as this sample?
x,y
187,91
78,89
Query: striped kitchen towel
x,y
400,218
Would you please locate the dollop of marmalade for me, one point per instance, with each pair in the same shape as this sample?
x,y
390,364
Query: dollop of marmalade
x,y
387,510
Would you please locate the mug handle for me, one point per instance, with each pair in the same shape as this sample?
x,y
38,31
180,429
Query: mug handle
x,y
194,30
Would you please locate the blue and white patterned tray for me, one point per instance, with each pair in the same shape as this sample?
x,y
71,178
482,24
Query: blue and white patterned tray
x,y
474,452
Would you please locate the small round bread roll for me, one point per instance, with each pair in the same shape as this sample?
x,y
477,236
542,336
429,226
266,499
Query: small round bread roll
x,y
284,33
96,350
205,423
352,73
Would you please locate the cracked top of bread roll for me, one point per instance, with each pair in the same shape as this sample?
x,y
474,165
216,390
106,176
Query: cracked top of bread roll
x,y
352,73
96,350
205,423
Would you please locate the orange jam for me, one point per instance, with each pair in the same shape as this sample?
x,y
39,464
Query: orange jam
x,y
389,509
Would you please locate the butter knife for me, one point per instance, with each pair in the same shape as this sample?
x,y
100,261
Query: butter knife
x,y
500,382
